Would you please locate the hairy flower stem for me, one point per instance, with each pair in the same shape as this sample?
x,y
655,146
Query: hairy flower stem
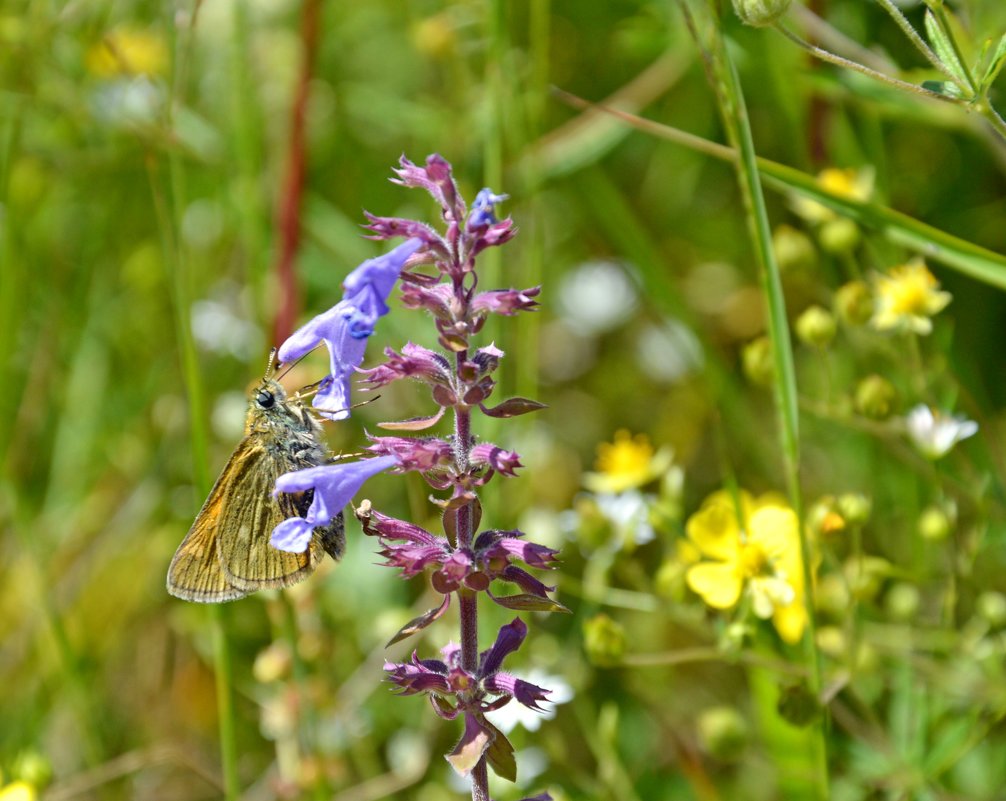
x,y
468,600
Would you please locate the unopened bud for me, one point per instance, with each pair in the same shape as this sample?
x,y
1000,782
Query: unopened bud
x,y
934,524
756,358
855,508
722,732
604,640
991,606
816,327
760,12
854,303
875,397
794,250
839,236
902,602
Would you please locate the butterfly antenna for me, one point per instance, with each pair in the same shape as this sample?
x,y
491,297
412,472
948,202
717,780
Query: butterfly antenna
x,y
294,364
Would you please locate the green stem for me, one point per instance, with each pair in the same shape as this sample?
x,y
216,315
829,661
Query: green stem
x,y
831,58
965,257
915,39
733,111
169,214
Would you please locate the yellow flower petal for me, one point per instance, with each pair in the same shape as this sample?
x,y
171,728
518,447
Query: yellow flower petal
x,y
714,530
18,791
790,621
774,528
718,584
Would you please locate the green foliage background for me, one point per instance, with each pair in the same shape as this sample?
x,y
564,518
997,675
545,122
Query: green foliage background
x,y
125,200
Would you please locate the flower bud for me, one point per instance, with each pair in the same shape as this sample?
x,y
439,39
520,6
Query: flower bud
x,y
760,12
32,767
722,732
831,641
832,595
991,606
816,327
875,397
902,602
865,574
934,524
794,251
854,303
604,640
756,359
272,663
839,236
855,508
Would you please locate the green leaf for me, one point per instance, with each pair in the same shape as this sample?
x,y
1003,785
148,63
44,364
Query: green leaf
x,y
945,88
513,407
994,65
420,623
939,38
525,602
500,754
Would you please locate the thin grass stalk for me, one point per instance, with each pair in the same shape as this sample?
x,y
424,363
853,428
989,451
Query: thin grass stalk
x,y
528,327
248,159
733,111
169,218
288,213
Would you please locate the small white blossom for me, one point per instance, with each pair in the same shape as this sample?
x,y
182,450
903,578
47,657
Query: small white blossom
x,y
514,714
935,433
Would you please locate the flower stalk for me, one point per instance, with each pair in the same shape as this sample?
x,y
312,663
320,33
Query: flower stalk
x,y
438,274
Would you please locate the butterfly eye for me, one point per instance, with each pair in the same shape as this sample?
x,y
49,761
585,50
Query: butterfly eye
x,y
265,399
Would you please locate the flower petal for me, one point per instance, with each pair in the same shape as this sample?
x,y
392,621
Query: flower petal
x,y
718,584
715,531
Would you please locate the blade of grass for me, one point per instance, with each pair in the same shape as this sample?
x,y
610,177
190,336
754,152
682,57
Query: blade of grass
x,y
730,98
958,254
169,206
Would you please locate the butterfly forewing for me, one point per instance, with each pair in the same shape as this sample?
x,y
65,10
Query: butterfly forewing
x,y
248,560
195,573
227,554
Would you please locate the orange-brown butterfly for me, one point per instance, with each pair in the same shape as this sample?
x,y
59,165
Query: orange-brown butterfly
x,y
226,554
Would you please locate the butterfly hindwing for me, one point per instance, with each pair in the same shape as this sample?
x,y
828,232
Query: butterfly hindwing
x,y
250,515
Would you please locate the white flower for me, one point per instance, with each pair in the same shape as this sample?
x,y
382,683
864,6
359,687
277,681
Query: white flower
x,y
629,513
596,297
935,433
514,714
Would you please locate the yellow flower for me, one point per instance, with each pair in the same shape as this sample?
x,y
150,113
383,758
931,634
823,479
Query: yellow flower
x,y
759,555
127,51
627,463
851,183
18,791
907,297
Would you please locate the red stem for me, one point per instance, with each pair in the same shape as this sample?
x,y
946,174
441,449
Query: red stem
x,y
288,211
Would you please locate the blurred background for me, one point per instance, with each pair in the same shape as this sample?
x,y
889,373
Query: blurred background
x,y
146,154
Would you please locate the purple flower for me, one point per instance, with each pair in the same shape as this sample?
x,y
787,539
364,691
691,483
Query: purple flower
x,y
345,327
448,678
506,301
414,549
436,179
483,213
438,299
414,453
333,487
413,362
503,462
